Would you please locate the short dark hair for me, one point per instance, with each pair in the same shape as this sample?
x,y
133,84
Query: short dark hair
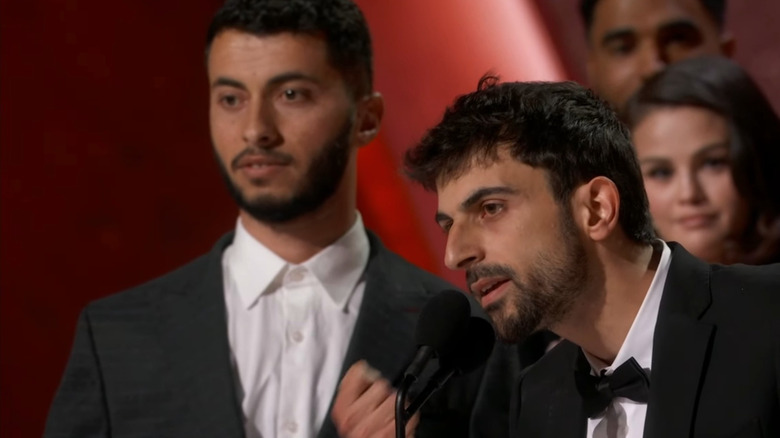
x,y
716,9
720,85
560,127
340,22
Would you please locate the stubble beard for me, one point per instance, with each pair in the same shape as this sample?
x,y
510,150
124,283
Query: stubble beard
x,y
553,284
320,182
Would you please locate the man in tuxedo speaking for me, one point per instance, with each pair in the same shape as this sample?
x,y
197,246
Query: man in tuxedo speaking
x,y
541,198
251,339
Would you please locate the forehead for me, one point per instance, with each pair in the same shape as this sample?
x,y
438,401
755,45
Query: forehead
x,y
235,52
505,171
647,14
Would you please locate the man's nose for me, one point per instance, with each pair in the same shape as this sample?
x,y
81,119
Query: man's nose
x,y
651,61
260,127
463,248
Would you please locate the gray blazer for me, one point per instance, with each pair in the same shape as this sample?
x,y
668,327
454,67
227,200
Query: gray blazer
x,y
154,361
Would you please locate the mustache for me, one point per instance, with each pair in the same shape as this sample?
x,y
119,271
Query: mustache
x,y
270,154
476,272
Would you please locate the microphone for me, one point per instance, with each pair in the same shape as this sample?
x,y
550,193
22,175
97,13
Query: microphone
x,y
442,322
473,351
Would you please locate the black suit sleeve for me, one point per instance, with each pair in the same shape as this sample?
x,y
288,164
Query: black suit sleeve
x,y
79,407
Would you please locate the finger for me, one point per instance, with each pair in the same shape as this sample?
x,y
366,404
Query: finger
x,y
384,413
356,381
388,431
411,426
361,414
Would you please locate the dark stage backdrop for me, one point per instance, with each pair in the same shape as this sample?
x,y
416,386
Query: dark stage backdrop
x,y
106,171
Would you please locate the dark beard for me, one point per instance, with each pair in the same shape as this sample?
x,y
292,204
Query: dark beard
x,y
320,182
553,283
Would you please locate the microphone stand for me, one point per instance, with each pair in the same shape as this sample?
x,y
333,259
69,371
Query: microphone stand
x,y
438,380
400,403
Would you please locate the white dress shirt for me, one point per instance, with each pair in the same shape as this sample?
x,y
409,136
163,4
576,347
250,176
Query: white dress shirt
x,y
625,418
289,327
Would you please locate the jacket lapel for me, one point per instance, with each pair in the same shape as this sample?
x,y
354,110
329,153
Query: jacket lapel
x,y
193,335
680,347
386,321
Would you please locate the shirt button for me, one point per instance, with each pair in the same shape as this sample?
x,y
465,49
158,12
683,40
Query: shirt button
x,y
297,336
291,426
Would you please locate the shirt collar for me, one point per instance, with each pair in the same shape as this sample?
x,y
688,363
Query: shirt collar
x,y
253,267
256,270
340,266
639,340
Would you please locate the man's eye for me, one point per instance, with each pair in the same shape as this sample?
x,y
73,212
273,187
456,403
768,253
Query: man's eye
x,y
293,95
229,100
492,208
621,46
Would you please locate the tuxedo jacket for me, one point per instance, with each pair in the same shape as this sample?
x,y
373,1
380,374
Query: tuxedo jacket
x,y
154,361
715,368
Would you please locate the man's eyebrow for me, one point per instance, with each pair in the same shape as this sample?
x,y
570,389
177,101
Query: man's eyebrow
x,y
617,34
276,80
228,82
678,23
480,193
291,76
475,197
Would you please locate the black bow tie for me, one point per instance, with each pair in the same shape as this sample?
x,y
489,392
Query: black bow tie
x,y
629,380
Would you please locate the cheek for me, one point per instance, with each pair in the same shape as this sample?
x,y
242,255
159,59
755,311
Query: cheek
x,y
226,134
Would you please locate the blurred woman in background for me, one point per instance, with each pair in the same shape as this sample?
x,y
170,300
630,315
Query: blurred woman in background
x,y
708,143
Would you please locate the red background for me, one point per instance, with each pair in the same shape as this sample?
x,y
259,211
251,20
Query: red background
x,y
107,175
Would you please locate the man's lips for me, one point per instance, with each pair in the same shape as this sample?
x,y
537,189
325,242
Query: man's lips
x,y
248,161
484,286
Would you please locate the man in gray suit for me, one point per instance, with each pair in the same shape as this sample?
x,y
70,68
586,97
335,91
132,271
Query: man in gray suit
x,y
252,338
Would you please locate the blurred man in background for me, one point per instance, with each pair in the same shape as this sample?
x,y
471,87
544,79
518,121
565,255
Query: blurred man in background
x,y
630,40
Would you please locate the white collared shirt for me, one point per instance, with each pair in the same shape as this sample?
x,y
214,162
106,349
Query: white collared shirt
x,y
623,415
289,327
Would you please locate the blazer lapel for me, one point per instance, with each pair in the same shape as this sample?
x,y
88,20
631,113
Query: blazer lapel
x,y
680,347
385,324
193,334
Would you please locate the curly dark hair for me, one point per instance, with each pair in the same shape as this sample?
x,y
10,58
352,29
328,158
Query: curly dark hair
x,y
716,9
560,127
340,22
720,85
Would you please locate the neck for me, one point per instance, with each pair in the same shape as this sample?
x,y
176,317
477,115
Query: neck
x,y
620,279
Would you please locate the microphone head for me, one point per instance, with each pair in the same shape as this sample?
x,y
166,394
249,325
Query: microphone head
x,y
474,349
443,322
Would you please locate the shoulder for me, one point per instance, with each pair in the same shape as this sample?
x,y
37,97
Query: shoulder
x,y
748,296
180,279
748,278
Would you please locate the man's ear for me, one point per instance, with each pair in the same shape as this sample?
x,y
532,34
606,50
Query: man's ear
x,y
370,111
596,207
728,44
